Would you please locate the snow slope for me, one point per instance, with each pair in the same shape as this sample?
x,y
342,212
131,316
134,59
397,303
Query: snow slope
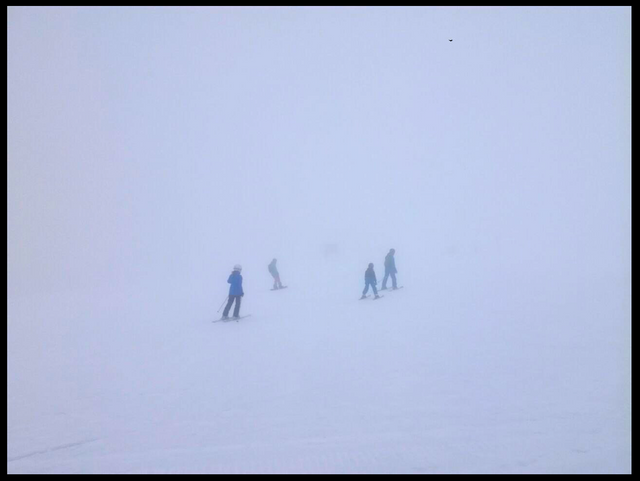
x,y
443,376
151,149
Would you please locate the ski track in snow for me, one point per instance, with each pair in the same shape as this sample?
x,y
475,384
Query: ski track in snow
x,y
55,448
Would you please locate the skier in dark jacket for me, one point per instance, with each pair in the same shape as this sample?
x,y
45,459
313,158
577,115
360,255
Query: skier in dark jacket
x,y
370,280
389,270
276,276
235,292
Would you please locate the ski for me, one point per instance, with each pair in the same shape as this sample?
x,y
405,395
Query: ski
x,y
283,287
369,296
236,319
392,289
228,319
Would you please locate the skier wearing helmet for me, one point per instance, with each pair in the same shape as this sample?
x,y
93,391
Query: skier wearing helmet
x,y
235,292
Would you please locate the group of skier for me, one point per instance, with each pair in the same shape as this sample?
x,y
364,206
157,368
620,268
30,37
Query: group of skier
x,y
389,271
236,292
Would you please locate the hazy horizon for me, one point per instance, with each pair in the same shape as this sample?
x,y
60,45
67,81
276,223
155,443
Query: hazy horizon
x,y
140,137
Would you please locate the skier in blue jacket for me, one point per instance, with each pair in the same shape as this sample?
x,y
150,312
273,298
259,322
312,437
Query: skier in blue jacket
x,y
370,280
389,270
235,292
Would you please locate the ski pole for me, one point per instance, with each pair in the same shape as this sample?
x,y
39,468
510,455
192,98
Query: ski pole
x,y
225,300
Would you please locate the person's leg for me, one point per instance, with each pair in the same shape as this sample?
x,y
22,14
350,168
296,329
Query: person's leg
x,y
375,291
279,283
226,309
366,288
236,312
384,280
393,279
275,282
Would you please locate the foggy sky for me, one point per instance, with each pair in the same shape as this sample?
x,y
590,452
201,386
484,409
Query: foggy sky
x,y
176,141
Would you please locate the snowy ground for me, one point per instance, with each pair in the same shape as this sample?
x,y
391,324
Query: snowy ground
x,y
439,377
149,150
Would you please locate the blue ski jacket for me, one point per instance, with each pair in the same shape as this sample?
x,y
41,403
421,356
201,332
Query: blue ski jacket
x,y
370,275
235,279
390,264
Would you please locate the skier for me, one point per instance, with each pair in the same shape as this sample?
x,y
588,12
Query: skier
x,y
389,270
276,276
235,292
370,280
